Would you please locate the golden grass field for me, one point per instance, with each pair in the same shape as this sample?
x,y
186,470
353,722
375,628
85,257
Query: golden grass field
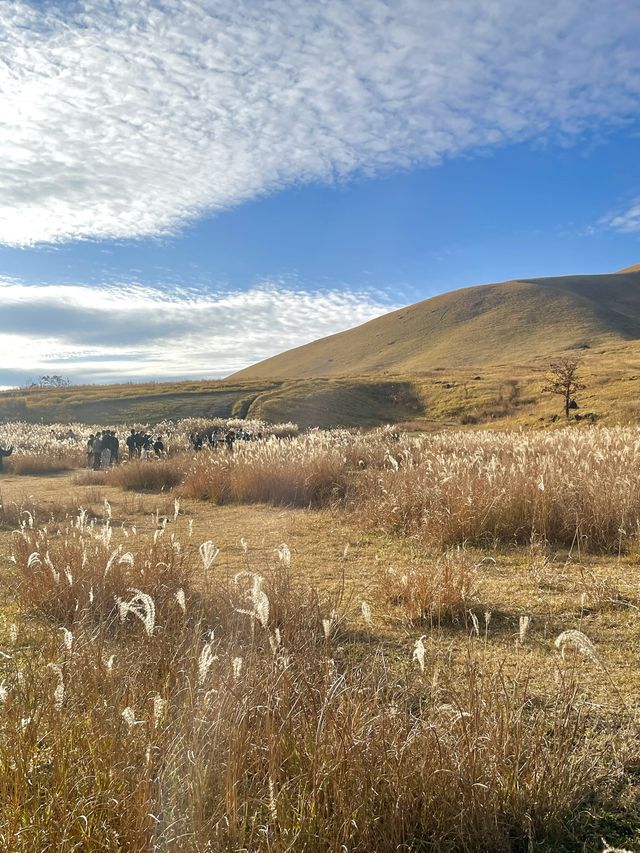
x,y
502,396
400,692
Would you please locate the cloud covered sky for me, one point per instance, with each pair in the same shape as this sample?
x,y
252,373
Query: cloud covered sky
x,y
154,121
98,334
125,119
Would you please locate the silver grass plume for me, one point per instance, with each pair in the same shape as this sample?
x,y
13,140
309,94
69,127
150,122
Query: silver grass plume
x,y
180,600
237,668
205,661
208,553
142,606
284,554
578,641
67,639
58,693
159,707
419,652
475,624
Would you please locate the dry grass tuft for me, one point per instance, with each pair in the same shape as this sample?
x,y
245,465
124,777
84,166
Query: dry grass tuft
x,y
157,475
287,473
442,588
35,464
160,692
575,489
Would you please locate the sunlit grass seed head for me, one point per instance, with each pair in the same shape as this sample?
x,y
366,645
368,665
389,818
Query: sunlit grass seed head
x,y
579,642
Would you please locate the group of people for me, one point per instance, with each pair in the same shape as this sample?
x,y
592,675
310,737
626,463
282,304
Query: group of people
x,y
143,445
103,448
216,438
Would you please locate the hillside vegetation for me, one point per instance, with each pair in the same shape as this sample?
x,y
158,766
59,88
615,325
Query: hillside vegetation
x,y
471,357
506,395
311,402
492,324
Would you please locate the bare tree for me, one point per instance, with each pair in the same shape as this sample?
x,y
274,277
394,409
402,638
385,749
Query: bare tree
x,y
562,378
53,381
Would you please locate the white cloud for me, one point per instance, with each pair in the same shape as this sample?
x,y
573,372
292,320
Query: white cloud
x,y
627,221
99,333
125,119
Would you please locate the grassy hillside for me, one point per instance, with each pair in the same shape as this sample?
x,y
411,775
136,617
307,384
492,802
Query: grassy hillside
x,y
132,402
504,395
488,325
472,357
308,403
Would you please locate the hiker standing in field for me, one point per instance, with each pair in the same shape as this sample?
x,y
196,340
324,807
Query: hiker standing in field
x,y
131,444
146,446
90,458
109,448
97,450
140,442
115,448
4,453
229,438
105,455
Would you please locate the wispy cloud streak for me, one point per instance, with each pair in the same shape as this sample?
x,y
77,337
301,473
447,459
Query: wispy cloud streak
x,y
627,221
125,119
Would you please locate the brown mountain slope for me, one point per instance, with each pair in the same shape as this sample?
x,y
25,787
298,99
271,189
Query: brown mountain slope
x,y
486,325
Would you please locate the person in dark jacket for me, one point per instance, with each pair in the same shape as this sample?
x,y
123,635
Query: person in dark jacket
x,y
131,444
97,450
110,443
115,448
4,453
141,438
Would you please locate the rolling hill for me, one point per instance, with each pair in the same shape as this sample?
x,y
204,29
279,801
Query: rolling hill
x,y
470,357
493,324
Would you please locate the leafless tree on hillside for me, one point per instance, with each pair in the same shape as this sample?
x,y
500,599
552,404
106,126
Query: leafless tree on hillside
x,y
562,378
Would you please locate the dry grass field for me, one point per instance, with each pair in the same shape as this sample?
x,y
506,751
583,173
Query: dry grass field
x,y
323,643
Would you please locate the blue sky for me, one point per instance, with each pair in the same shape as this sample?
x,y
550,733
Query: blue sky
x,y
186,188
